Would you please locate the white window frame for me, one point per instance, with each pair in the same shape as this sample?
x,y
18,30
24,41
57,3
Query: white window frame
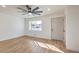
x,y
35,25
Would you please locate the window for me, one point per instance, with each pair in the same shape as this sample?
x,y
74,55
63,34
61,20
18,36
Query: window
x,y
35,25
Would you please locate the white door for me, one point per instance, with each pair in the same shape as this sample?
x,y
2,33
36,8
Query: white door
x,y
58,28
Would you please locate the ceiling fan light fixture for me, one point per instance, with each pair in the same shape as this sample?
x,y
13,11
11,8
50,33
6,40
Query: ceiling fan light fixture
x,y
30,13
48,9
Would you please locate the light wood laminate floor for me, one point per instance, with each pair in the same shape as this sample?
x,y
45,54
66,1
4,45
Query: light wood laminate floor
x,y
27,44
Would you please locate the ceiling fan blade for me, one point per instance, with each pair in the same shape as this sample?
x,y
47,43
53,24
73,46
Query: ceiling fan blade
x,y
38,12
28,7
35,9
22,9
23,14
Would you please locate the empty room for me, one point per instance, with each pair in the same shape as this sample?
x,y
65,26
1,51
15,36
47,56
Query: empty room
x,y
39,28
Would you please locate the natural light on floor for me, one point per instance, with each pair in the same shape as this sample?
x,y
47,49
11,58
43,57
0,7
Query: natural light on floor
x,y
48,46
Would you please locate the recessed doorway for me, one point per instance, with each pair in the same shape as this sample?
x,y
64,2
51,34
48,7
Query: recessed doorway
x,y
57,28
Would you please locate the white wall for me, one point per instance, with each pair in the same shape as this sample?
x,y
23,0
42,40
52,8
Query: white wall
x,y
46,27
72,28
10,26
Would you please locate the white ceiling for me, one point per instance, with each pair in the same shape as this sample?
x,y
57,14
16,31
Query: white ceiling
x,y
47,9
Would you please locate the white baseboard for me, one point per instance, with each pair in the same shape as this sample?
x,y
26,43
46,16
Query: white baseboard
x,y
19,35
38,37
11,37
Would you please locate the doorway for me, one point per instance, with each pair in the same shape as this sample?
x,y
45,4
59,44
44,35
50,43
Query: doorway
x,y
57,28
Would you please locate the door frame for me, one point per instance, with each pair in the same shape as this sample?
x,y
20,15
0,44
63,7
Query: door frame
x,y
63,28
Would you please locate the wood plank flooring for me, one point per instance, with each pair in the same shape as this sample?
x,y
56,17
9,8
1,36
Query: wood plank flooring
x,y
27,44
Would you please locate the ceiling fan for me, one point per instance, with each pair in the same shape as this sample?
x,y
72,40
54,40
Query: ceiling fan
x,y
29,10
